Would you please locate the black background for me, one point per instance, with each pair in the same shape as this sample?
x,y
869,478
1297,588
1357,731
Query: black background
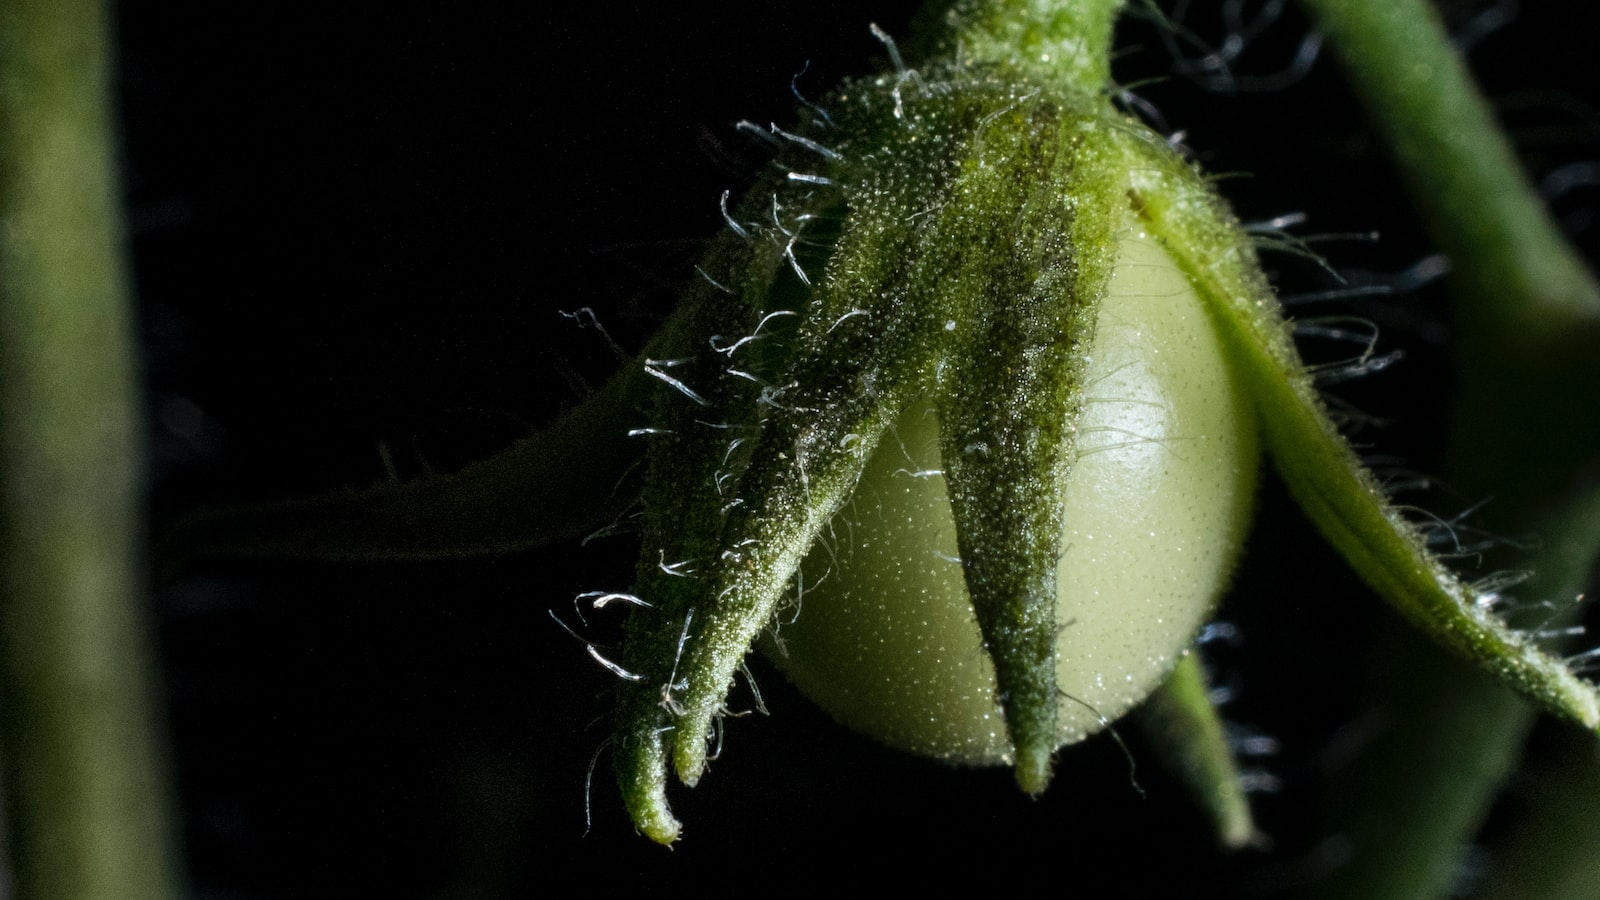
x,y
354,228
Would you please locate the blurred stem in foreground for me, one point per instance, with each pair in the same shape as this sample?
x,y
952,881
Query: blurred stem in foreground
x,y
87,814
1528,324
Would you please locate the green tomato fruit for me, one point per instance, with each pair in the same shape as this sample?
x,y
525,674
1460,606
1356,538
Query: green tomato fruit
x,y
881,632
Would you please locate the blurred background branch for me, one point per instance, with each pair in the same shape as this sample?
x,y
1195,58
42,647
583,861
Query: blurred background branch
x,y
86,804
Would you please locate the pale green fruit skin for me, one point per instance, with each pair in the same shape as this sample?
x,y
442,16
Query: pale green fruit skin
x,y
883,635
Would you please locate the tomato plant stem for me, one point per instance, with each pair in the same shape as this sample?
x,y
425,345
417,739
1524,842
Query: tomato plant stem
x,y
1064,45
1508,256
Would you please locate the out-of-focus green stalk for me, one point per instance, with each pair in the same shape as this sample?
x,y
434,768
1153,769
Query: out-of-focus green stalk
x,y
86,806
1460,168
1527,311
1528,328
1558,821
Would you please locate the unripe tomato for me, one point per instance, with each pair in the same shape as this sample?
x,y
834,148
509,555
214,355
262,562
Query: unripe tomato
x,y
881,632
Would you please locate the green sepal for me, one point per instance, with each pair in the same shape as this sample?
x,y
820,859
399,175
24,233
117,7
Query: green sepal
x,y
1322,472
936,182
1040,252
1188,735
744,478
700,416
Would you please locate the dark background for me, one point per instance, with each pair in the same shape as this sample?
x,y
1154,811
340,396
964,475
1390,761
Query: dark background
x,y
354,229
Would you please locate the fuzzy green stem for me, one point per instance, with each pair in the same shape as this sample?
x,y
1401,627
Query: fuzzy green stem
x,y
86,806
1062,45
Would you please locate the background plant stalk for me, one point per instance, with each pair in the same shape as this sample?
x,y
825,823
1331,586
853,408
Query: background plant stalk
x,y
86,815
